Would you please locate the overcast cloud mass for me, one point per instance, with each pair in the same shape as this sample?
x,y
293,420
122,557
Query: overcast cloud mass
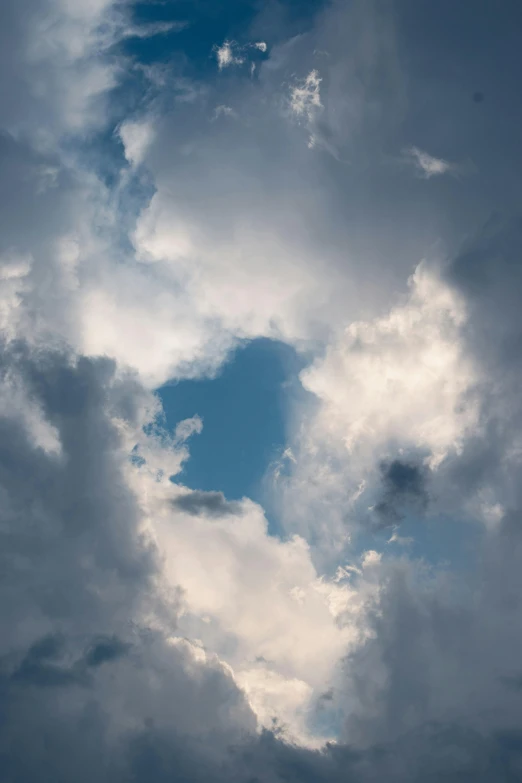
x,y
179,178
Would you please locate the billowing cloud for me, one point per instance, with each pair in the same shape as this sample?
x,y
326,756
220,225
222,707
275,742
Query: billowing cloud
x,y
402,376
154,631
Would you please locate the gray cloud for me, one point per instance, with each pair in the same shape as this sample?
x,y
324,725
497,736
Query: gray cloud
x,y
404,490
75,567
105,650
48,662
39,667
212,503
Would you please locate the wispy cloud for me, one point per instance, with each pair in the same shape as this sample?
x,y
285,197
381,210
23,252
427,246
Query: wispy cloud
x,y
223,111
233,53
427,165
305,96
153,28
228,54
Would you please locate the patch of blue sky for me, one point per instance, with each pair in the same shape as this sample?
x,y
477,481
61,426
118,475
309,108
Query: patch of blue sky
x,y
199,26
438,540
245,418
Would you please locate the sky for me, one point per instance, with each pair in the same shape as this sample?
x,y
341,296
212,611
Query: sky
x,y
260,415
243,410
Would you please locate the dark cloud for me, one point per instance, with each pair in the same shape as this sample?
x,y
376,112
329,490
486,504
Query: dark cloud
x,y
327,695
74,563
48,662
39,667
487,272
403,478
404,490
105,650
214,504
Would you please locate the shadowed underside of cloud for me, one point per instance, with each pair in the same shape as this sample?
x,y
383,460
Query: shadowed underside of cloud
x,y
212,503
404,490
77,570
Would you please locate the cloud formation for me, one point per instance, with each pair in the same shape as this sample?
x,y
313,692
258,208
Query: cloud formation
x,y
426,164
152,631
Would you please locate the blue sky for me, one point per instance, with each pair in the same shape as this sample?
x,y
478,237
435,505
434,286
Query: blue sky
x,y
244,424
260,420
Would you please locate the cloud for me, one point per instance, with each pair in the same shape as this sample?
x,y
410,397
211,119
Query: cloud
x,y
117,569
78,582
225,55
402,375
211,503
254,600
105,650
39,668
153,631
305,104
384,395
385,389
136,137
404,490
153,29
426,164
225,111
305,99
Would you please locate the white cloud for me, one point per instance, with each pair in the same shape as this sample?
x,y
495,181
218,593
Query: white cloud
x,y
208,291
231,53
152,29
12,266
68,68
399,383
306,105
136,137
426,164
225,55
224,111
239,597
401,377
305,97
240,240
14,271
254,602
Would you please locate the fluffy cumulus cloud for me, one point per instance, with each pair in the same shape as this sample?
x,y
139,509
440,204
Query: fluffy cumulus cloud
x,y
176,185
